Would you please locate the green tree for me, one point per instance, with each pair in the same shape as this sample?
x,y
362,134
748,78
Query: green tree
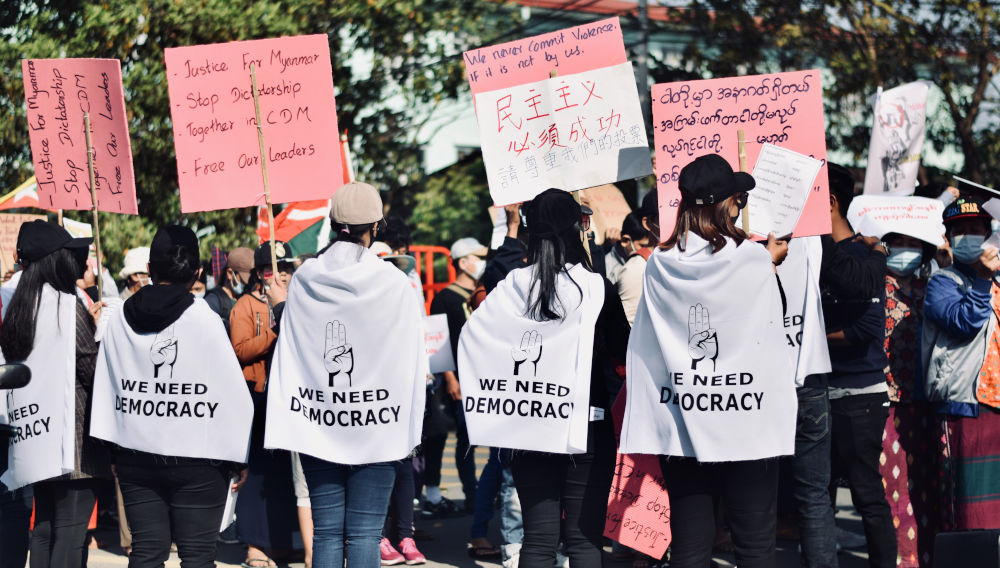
x,y
391,58
865,45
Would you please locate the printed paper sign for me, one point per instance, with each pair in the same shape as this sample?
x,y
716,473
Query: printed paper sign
x,y
215,129
693,118
571,132
78,229
784,179
897,139
567,51
610,209
10,226
438,342
58,93
918,217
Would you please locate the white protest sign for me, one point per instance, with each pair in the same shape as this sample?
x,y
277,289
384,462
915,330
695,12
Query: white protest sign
x,y
918,217
438,342
784,180
177,392
571,132
77,229
897,138
993,208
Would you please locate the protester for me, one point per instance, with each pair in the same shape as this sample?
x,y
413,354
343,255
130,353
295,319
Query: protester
x,y
135,273
638,242
710,382
266,515
234,274
45,311
344,308
468,256
174,478
963,377
859,404
558,307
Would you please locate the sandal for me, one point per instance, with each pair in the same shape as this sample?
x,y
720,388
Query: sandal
x,y
258,563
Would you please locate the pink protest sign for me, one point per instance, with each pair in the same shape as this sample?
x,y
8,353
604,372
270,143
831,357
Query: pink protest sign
x,y
215,129
693,118
58,93
638,507
567,51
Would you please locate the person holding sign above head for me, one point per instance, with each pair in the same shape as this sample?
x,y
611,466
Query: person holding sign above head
x,y
47,327
348,381
169,395
710,383
531,361
266,514
961,360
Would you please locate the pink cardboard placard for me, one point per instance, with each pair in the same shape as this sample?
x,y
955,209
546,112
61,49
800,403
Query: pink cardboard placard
x,y
58,92
215,131
693,118
567,51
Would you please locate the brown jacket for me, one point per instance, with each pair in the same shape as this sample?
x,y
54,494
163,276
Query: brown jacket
x,y
253,338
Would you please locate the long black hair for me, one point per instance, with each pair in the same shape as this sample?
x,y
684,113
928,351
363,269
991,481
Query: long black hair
x,y
60,269
554,240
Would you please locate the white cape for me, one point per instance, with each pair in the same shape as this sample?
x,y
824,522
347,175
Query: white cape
x,y
708,373
348,378
526,383
179,392
45,410
805,328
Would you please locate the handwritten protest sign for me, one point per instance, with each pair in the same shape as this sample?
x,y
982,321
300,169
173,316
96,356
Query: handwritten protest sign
x,y
609,206
784,179
215,130
571,132
638,513
566,51
918,217
58,93
438,342
693,118
897,139
10,225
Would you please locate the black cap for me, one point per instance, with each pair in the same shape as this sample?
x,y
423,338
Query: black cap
x,y
38,239
262,256
968,205
710,179
168,240
553,212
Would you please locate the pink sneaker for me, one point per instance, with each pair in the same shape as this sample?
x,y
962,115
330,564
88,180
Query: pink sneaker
x,y
390,556
409,550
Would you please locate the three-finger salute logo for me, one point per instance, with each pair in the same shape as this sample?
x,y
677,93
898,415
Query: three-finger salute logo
x,y
529,351
338,356
703,343
164,351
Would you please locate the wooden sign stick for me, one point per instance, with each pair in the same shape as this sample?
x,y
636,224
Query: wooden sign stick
x,y
93,200
263,166
742,142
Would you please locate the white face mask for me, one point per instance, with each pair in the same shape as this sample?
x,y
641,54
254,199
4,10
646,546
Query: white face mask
x,y
479,267
967,248
237,286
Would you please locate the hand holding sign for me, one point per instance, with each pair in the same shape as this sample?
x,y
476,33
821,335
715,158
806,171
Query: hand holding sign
x,y
163,351
702,340
339,355
530,350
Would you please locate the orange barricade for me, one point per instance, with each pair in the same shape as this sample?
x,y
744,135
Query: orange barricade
x,y
425,268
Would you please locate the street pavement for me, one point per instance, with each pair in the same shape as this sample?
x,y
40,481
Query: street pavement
x,y
446,540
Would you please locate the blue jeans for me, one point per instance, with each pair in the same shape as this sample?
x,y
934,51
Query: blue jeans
x,y
811,479
15,514
349,505
486,492
511,528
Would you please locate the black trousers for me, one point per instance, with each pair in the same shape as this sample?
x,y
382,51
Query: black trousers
x,y
399,521
62,512
551,485
183,501
749,493
858,424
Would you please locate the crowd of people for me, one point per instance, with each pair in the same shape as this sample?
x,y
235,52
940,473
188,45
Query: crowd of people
x,y
762,373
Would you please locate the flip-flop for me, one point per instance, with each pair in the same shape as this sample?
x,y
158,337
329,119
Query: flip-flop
x,y
483,552
258,563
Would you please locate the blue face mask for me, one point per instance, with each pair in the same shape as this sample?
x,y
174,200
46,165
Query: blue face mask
x,y
904,261
967,248
237,286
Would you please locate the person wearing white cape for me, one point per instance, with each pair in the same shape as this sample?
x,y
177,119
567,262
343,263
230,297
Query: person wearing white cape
x,y
710,383
47,327
348,380
169,395
535,364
